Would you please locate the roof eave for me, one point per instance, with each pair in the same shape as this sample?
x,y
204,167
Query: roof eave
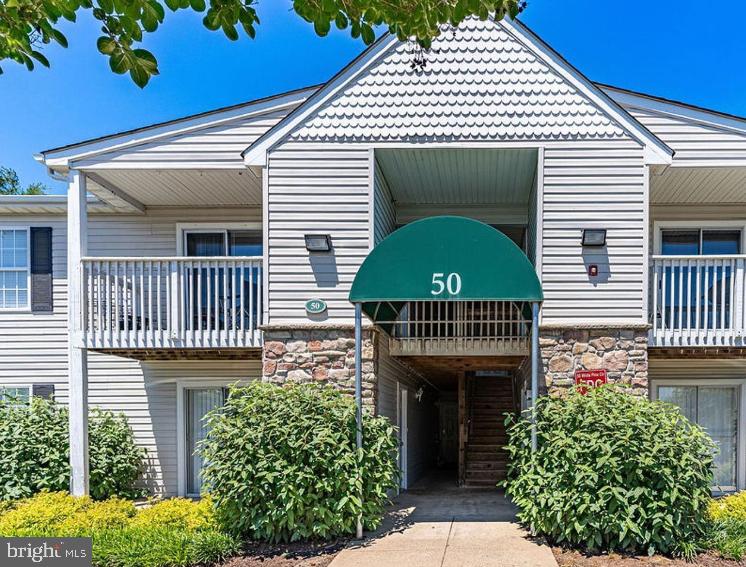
x,y
61,158
657,152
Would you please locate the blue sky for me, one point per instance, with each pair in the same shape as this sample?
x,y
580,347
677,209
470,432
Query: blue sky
x,y
671,48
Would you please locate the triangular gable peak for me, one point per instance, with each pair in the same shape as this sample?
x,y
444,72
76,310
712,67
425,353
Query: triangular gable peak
x,y
481,83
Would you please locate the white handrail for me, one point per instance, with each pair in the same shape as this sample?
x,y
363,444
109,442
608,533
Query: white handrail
x,y
171,302
460,327
698,300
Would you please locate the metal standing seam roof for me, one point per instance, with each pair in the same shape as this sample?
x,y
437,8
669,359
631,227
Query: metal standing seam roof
x,y
402,267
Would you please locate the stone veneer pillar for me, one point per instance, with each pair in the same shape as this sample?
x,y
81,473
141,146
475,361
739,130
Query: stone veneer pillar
x,y
623,353
327,355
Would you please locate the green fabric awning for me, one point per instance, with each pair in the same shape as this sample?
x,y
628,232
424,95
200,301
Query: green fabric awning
x,y
444,258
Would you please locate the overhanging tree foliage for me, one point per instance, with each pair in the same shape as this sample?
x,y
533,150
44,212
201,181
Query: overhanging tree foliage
x,y
10,184
27,25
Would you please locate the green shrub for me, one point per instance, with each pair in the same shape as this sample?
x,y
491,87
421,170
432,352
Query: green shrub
x,y
612,471
727,537
115,459
178,513
282,463
172,532
59,514
731,507
34,451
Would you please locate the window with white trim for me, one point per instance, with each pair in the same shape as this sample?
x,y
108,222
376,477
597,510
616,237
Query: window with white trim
x,y
14,268
18,394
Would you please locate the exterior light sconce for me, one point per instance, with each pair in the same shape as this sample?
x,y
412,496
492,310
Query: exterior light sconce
x,y
594,237
318,242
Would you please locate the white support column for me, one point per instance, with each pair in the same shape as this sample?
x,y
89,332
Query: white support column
x,y
77,245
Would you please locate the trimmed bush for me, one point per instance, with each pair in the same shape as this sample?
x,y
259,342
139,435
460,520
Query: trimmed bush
x,y
282,463
612,472
178,513
168,533
34,451
731,507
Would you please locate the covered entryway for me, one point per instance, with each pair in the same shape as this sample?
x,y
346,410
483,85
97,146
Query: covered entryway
x,y
456,302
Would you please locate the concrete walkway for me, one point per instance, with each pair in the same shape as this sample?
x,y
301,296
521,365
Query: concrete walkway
x,y
440,525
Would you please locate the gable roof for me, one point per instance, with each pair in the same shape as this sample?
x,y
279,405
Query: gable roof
x,y
60,158
656,150
633,99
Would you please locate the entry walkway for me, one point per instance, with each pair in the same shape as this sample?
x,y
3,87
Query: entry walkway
x,y
440,525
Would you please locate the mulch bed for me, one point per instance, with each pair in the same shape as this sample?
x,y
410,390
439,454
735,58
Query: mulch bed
x,y
301,554
570,558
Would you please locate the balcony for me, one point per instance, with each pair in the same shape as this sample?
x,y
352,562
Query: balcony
x,y
460,328
171,303
698,301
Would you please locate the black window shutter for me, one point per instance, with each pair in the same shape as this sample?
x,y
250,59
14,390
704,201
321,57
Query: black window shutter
x,y
45,391
41,268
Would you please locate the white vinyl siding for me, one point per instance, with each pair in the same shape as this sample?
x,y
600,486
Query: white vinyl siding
x,y
384,222
316,190
594,185
392,377
216,146
695,143
34,345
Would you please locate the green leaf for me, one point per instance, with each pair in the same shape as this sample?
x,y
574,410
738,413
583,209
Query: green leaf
x,y
198,5
106,45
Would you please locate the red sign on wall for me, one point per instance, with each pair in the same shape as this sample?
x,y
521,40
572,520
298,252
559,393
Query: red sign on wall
x,y
590,378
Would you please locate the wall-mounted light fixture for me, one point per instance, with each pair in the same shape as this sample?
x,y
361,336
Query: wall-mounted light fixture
x,y
594,236
318,242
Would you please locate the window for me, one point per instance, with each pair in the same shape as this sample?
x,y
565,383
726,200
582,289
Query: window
x,y
199,402
700,242
14,268
223,242
715,408
208,312
713,280
18,394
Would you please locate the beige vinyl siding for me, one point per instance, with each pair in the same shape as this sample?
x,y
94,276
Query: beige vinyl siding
x,y
594,185
384,222
316,190
694,142
33,346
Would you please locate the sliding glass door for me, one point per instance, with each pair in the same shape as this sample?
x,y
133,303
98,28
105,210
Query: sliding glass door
x,y
715,408
199,402
207,284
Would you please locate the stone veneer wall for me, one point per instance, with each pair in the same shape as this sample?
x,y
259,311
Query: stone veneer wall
x,y
622,352
319,355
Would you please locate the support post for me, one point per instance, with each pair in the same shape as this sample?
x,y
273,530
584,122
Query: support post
x,y
77,358
359,392
535,361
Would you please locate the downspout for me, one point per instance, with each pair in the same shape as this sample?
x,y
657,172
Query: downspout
x,y
359,402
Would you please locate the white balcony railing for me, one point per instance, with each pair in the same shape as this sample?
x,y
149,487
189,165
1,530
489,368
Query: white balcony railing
x,y
698,301
145,303
447,328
